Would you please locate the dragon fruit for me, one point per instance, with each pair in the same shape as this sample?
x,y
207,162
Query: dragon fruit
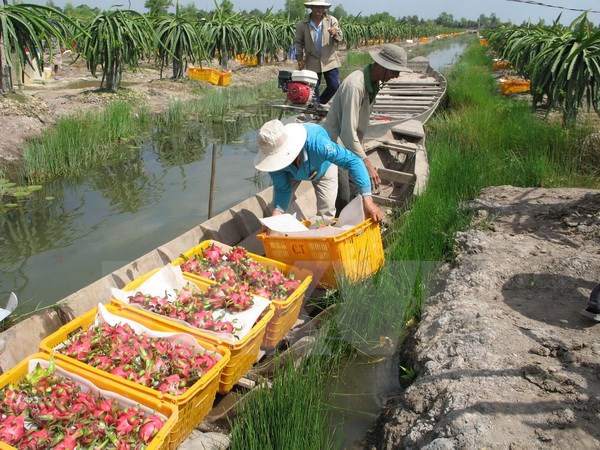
x,y
59,415
201,309
139,358
12,429
236,266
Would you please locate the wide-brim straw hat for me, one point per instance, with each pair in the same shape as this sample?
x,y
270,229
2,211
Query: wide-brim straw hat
x,y
309,4
391,57
279,145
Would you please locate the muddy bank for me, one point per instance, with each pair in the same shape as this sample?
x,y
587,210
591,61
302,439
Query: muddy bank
x,y
504,359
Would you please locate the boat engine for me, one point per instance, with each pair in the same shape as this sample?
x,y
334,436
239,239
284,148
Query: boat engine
x,y
298,85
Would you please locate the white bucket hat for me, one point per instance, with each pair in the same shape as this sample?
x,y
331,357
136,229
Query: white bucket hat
x,y
316,3
279,145
391,57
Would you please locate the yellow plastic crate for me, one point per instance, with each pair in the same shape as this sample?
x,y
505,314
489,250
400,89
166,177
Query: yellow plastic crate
x,y
243,353
355,254
160,442
247,60
499,65
204,74
514,86
194,404
224,78
286,311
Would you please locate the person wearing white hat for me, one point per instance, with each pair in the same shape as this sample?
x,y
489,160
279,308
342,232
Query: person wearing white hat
x,y
348,117
295,152
316,42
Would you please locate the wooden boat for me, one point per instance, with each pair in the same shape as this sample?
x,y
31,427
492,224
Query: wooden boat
x,y
395,139
395,145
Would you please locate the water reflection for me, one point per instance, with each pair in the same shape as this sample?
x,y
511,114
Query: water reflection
x,y
37,226
128,187
448,55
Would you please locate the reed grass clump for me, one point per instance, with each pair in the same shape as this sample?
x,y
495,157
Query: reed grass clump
x,y
81,142
291,413
372,313
217,103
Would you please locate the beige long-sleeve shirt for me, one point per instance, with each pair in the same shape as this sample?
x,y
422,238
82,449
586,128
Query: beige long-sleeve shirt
x,y
306,50
350,110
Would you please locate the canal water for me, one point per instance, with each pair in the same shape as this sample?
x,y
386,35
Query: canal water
x,y
74,232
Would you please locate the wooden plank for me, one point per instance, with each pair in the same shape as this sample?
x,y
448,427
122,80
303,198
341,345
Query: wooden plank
x,y
412,128
371,145
416,83
408,150
395,175
404,98
403,103
413,96
400,90
386,201
398,110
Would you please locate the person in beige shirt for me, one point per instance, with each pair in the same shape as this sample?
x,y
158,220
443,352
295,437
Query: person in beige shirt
x,y
316,41
348,117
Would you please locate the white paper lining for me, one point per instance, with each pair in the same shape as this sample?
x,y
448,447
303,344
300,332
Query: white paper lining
x,y
286,225
164,283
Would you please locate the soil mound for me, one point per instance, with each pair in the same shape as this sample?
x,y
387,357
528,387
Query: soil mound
x,y
504,358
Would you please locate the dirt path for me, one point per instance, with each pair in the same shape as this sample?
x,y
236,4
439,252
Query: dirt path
x,y
504,358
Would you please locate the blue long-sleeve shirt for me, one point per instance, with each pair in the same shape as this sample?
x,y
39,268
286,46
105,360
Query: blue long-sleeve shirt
x,y
318,154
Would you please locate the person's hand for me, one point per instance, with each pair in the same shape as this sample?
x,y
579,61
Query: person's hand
x,y
333,30
301,64
373,174
371,209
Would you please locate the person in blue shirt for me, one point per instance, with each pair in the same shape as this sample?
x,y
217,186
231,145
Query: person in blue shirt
x,y
295,152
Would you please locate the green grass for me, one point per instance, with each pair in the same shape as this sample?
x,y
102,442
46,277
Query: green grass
x,y
80,143
290,414
83,142
372,313
482,140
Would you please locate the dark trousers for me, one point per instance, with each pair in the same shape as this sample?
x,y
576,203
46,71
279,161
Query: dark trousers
x,y
332,79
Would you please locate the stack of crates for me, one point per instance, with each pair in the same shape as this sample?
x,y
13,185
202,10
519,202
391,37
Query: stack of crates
x,y
247,60
204,74
514,86
212,76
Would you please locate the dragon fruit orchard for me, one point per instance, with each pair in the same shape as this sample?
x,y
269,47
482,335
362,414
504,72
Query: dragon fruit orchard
x,y
236,266
45,410
169,367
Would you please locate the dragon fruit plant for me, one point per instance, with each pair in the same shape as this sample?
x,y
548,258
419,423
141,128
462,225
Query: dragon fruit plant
x,y
169,367
203,310
47,411
235,266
